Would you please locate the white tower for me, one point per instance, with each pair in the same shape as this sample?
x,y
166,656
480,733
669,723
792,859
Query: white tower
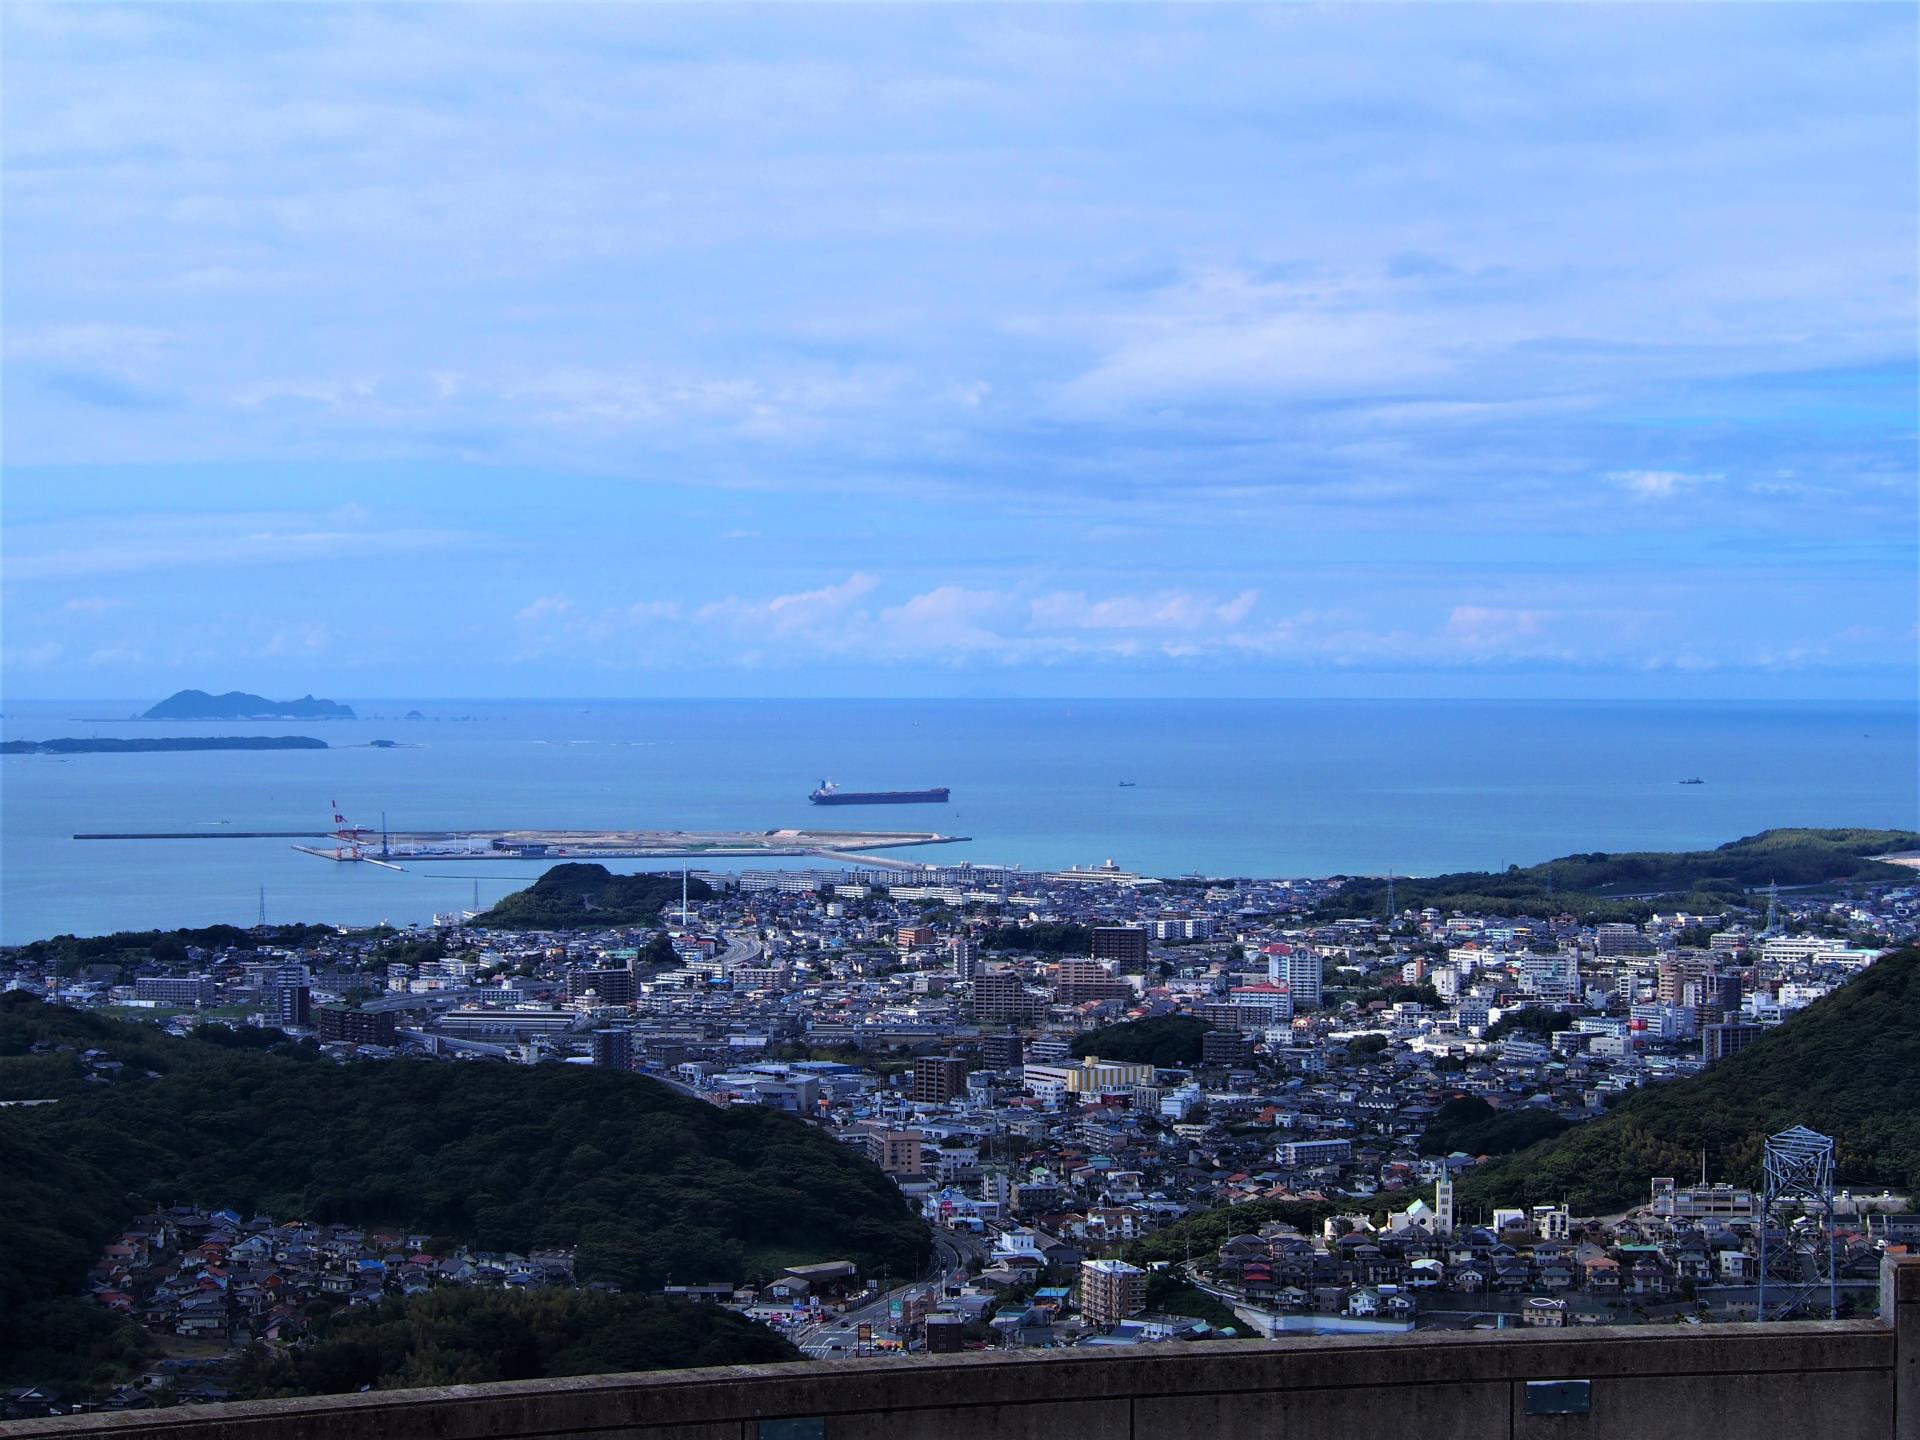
x,y
1443,1205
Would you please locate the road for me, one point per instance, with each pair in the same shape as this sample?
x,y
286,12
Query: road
x,y
839,1335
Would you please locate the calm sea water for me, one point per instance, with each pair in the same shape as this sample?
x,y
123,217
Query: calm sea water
x,y
1220,787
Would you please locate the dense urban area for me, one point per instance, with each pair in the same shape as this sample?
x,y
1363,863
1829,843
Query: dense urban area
x,y
1128,1109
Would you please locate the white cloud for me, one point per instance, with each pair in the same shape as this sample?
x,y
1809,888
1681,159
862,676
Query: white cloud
x,y
795,615
1161,610
952,618
1484,627
1657,484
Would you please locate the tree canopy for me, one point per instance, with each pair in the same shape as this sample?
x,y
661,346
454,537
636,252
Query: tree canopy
x,y
468,1337
1205,1232
581,896
1468,1125
1618,886
645,1182
1048,937
1166,1041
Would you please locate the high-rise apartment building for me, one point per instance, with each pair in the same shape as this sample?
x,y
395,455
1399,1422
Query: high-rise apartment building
x,y
194,990
1124,946
1000,996
1718,1041
608,987
1111,1290
288,994
613,1049
1002,1051
1226,1047
966,959
355,1027
938,1079
895,1151
1084,980
1299,971
293,1005
1615,939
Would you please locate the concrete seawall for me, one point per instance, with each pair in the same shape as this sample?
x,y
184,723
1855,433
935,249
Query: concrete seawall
x,y
1836,1380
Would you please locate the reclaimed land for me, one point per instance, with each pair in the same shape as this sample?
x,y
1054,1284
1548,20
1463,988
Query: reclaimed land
x,y
646,1183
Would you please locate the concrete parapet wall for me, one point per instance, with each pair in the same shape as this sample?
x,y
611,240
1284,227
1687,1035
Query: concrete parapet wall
x,y
1844,1380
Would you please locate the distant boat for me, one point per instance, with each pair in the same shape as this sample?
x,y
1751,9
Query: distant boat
x,y
1126,784
1696,780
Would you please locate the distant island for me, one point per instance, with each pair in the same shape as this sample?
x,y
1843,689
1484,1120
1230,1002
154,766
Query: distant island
x,y
71,745
238,705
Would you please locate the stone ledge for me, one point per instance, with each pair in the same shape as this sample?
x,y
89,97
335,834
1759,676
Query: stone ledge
x,y
724,1401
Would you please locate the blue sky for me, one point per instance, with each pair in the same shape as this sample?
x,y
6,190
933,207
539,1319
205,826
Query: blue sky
x,y
492,350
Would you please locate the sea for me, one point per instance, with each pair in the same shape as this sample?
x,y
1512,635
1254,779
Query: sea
x,y
1165,787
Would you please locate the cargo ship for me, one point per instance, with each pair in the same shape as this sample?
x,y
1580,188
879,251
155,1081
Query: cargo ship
x,y
831,794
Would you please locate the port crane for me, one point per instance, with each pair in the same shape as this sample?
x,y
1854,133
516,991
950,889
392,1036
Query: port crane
x,y
350,843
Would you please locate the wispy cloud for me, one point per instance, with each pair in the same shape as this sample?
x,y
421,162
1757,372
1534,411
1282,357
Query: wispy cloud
x,y
1270,337
1657,484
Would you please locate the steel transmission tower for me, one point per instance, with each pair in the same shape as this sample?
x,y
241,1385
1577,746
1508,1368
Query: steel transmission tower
x,y
1799,1174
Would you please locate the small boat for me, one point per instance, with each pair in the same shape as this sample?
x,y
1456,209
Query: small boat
x,y
1696,780
1126,784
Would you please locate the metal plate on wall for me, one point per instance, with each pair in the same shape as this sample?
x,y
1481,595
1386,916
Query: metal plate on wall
x,y
1559,1397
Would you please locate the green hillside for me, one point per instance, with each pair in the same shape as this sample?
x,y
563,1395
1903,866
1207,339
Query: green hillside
x,y
1617,886
646,1182
577,896
470,1337
1847,1066
1165,1041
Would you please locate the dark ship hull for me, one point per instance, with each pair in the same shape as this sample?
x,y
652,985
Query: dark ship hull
x,y
936,796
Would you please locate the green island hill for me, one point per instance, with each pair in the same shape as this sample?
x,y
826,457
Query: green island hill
x,y
239,705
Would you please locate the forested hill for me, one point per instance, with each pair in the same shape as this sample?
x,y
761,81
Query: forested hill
x,y
1618,886
644,1181
1847,1066
578,896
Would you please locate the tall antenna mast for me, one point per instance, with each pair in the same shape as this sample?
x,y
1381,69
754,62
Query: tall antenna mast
x,y
262,919
1773,904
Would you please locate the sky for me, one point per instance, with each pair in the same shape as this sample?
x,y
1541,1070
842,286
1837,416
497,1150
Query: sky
x,y
501,350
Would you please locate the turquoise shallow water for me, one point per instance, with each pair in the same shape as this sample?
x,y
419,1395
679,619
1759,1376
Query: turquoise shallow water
x,y
1221,787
